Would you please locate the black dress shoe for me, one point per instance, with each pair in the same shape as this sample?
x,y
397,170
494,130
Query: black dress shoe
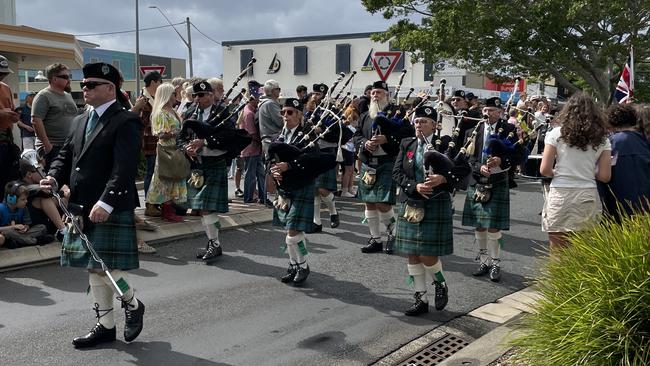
x,y
99,334
482,270
291,273
441,297
390,244
133,321
301,275
419,307
334,221
374,246
314,229
495,273
214,250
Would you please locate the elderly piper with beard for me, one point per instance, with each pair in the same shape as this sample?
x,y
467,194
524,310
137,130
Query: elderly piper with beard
x,y
377,152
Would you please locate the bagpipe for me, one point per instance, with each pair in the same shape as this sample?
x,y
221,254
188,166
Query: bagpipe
x,y
307,163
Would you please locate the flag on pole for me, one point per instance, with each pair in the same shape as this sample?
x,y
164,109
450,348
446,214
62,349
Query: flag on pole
x,y
625,87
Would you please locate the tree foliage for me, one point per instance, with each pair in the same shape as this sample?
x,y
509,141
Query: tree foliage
x,y
568,40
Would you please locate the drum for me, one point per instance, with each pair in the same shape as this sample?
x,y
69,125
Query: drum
x,y
447,119
531,169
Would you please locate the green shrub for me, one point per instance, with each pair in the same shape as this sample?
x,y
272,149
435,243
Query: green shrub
x,y
595,306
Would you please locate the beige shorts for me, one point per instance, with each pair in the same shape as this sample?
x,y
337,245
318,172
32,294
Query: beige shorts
x,y
570,209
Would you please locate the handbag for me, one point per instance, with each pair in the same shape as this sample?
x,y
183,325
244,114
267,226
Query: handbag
x,y
171,163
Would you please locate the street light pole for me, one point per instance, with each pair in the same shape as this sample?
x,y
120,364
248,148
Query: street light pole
x,y
188,43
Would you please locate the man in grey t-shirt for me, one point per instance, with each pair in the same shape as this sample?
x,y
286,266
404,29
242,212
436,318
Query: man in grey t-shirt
x,y
52,112
271,124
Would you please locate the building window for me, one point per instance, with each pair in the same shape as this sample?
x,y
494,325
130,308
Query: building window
x,y
244,58
400,63
343,58
428,72
116,63
464,81
94,60
300,60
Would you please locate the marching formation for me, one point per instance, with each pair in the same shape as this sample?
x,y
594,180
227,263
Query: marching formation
x,y
413,155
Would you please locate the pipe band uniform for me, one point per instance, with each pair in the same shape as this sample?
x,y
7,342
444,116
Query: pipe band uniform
x,y
377,138
294,168
491,153
97,163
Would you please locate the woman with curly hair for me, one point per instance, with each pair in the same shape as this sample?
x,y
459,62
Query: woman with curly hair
x,y
576,155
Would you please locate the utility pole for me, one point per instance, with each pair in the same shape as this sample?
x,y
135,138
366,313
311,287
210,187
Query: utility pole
x,y
189,45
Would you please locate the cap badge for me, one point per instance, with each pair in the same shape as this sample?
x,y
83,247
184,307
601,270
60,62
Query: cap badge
x,y
202,86
428,111
105,69
296,103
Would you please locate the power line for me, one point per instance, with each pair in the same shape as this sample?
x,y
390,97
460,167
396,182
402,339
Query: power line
x,y
205,35
128,31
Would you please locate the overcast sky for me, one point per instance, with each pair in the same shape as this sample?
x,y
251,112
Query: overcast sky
x,y
222,20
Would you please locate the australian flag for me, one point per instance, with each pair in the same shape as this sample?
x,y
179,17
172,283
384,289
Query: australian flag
x,y
625,86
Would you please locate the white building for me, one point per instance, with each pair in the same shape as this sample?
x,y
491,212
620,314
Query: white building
x,y
307,60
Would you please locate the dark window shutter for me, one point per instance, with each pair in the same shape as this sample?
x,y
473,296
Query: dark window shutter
x,y
300,60
244,58
428,72
400,63
343,58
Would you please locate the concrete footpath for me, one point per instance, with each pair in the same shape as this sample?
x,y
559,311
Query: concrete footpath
x,y
239,215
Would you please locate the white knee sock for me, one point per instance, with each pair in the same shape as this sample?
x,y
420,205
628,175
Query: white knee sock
x,y
435,272
388,218
416,271
299,244
291,248
481,239
373,223
122,281
329,202
494,248
103,295
212,224
317,219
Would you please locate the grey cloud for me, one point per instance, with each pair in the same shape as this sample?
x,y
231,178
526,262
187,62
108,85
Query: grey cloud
x,y
221,20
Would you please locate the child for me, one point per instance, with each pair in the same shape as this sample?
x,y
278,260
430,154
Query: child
x,y
15,221
41,205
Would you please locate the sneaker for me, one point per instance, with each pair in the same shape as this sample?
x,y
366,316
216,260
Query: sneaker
x,y
239,193
347,194
145,225
145,248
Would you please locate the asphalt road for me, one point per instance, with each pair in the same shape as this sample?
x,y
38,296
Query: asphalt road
x,y
236,311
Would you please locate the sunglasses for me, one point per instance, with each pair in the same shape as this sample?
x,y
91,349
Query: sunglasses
x,y
64,76
91,84
200,95
287,112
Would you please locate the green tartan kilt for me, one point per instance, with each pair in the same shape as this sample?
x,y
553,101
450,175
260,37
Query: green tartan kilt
x,y
301,213
384,189
434,235
495,214
327,180
213,196
114,241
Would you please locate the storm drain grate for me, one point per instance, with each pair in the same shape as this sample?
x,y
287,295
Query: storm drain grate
x,y
436,352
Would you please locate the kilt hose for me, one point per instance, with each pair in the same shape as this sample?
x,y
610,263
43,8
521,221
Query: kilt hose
x,y
114,241
434,235
213,196
495,214
384,190
327,180
301,212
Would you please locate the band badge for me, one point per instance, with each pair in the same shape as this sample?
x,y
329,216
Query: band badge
x,y
296,104
105,69
4,63
428,111
202,86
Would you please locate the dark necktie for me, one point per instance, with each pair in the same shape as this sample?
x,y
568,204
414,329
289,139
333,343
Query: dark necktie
x,y
93,117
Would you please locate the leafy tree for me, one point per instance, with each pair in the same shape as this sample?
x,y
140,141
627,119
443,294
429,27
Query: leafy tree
x,y
569,40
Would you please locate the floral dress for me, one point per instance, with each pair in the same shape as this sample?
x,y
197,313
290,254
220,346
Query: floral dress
x,y
164,190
